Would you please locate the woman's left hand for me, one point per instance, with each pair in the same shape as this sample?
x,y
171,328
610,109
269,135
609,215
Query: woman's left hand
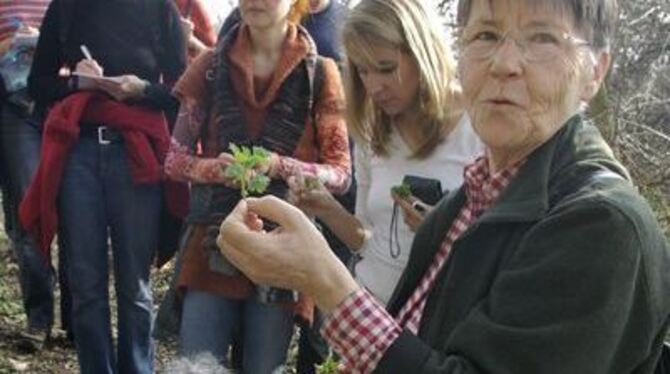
x,y
413,210
313,199
271,168
124,87
293,256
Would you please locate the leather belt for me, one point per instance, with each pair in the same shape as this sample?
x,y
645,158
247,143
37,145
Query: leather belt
x,y
103,134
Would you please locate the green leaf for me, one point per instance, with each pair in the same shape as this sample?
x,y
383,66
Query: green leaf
x,y
261,153
235,150
402,190
258,184
312,183
248,163
244,169
329,366
246,152
235,171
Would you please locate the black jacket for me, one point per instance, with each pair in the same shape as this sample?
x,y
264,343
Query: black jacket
x,y
140,37
568,272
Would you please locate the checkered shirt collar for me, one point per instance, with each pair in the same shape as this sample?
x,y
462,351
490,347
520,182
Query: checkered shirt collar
x,y
482,188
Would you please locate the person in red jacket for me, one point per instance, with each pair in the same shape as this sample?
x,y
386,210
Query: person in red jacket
x,y
128,52
19,153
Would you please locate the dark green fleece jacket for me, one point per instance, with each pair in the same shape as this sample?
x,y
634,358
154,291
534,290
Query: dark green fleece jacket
x,y
568,272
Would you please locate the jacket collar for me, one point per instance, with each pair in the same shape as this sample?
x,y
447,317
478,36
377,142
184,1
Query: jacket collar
x,y
570,157
575,148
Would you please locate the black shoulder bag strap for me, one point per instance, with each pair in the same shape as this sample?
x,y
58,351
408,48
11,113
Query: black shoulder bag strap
x,y
317,85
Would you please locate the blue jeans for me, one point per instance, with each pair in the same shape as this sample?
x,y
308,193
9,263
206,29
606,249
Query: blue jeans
x,y
98,200
20,144
209,322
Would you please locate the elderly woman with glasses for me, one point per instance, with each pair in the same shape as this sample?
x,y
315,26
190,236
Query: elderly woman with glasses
x,y
547,260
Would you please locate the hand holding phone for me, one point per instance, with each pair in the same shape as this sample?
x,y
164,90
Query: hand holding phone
x,y
428,190
415,197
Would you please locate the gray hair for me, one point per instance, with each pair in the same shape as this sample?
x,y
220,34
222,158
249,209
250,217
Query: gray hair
x,y
596,18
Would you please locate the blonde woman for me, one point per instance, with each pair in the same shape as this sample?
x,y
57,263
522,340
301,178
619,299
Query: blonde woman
x,y
405,114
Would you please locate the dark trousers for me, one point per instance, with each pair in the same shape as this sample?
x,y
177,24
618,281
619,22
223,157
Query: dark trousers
x,y
20,140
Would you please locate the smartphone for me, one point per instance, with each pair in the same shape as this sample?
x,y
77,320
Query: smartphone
x,y
428,190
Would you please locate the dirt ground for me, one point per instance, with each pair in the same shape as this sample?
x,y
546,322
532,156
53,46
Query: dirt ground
x,y
59,355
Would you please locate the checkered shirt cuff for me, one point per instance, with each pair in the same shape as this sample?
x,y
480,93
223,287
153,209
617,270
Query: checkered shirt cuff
x,y
360,330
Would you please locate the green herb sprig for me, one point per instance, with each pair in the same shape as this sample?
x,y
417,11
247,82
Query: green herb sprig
x,y
402,190
329,366
312,183
244,169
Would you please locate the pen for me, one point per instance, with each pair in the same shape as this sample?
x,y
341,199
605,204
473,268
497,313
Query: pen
x,y
86,52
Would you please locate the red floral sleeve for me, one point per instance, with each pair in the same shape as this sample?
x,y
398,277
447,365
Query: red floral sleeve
x,y
181,162
334,166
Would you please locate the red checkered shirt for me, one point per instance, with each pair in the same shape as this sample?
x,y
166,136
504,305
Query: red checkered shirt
x,y
360,329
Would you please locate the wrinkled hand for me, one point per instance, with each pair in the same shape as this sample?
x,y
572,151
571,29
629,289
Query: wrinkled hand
x,y
311,197
413,210
293,256
124,87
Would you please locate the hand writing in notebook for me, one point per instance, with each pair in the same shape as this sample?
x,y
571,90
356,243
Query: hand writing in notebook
x,y
121,88
124,87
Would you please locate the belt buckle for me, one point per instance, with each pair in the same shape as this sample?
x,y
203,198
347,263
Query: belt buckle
x,y
101,136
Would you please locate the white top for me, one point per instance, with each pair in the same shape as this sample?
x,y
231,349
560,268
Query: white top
x,y
378,271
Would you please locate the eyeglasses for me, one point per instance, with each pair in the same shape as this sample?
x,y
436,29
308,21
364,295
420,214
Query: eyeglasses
x,y
535,45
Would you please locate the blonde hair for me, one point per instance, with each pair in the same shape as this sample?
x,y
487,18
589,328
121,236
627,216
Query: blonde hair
x,y
408,26
299,9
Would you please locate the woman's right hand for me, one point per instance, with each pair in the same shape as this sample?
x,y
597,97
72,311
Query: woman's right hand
x,y
295,255
309,194
223,161
89,67
213,170
413,210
